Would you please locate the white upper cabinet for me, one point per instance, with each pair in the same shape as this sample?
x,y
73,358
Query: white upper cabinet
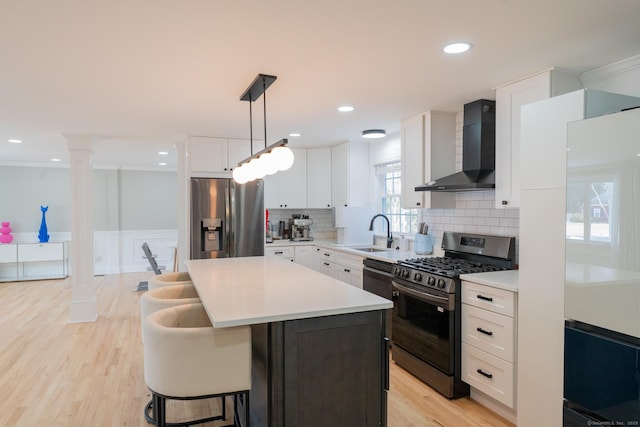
x,y
217,155
350,174
288,189
319,178
428,150
238,150
509,100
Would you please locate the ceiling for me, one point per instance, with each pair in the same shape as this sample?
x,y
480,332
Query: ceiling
x,y
140,75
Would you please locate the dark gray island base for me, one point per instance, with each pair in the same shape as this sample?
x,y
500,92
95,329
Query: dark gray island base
x,y
321,371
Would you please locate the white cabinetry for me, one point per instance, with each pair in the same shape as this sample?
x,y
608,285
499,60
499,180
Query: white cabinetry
x,y
350,174
489,341
286,252
542,246
34,261
323,261
304,255
509,100
288,189
348,268
428,150
319,178
216,155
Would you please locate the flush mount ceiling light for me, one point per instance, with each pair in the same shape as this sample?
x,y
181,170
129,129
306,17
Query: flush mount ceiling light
x,y
345,108
457,47
15,141
274,158
55,160
163,153
373,133
294,134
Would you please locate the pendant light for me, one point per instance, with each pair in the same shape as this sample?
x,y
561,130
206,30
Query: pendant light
x,y
274,158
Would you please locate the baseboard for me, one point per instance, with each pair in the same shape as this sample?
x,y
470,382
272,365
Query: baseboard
x,y
84,311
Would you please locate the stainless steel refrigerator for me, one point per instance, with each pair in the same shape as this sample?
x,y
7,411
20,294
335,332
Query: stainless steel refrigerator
x,y
227,219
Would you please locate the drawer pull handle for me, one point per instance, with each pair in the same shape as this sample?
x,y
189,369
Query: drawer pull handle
x,y
481,372
482,297
484,332
326,254
347,270
278,252
326,263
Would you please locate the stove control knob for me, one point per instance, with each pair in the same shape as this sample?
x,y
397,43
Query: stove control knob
x,y
396,271
431,281
417,277
405,273
441,283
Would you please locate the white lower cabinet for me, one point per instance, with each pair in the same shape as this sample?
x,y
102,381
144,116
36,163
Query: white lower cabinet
x,y
348,268
340,265
303,255
286,252
489,325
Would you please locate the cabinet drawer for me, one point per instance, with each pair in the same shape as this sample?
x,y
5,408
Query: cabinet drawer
x,y
325,254
40,252
354,262
493,299
8,253
283,252
489,374
489,331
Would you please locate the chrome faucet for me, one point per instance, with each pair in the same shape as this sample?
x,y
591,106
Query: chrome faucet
x,y
389,235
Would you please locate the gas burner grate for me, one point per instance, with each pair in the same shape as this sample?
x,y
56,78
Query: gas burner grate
x,y
449,267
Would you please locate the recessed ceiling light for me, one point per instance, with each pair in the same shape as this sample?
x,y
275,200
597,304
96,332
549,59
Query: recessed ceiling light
x,y
457,47
373,133
16,141
163,153
294,134
345,108
162,164
55,160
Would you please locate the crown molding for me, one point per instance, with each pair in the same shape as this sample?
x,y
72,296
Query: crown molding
x,y
609,71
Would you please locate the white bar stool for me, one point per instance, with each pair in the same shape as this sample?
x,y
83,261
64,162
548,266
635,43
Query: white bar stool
x,y
166,297
169,279
186,358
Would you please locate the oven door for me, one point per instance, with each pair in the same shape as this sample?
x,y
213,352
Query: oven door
x,y
423,324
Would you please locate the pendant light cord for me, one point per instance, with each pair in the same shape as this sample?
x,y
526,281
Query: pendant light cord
x,y
264,109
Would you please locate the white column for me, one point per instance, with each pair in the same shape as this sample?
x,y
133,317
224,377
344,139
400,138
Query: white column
x,y
83,295
184,230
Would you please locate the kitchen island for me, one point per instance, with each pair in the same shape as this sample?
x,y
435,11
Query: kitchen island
x,y
319,352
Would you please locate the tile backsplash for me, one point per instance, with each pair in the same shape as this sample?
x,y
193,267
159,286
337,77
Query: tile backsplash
x,y
323,221
474,213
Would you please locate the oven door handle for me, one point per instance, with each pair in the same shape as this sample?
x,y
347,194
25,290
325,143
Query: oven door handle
x,y
444,302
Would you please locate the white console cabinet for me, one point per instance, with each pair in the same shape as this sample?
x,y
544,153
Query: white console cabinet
x,y
34,261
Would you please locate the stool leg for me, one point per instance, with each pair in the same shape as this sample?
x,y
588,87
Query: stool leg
x,y
224,407
247,416
159,410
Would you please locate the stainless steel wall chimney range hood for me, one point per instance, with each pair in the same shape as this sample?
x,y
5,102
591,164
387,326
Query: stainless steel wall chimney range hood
x,y
478,151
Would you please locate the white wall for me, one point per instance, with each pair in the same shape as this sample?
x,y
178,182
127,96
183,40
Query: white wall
x,y
130,207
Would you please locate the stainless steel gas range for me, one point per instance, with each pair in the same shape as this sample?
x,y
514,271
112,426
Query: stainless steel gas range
x,y
426,314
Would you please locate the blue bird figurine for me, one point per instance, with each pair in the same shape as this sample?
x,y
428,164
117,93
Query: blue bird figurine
x,y
43,237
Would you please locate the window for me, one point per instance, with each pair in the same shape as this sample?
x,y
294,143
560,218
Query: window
x,y
588,209
389,191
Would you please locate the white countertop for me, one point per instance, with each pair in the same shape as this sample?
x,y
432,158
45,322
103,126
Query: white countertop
x,y
507,279
252,290
388,255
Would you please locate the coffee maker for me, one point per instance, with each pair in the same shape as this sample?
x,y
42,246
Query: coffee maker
x,y
299,228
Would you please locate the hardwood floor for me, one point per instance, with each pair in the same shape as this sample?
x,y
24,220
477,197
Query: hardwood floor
x,y
53,372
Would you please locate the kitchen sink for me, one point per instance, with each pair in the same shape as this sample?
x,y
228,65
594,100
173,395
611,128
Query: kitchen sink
x,y
370,249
